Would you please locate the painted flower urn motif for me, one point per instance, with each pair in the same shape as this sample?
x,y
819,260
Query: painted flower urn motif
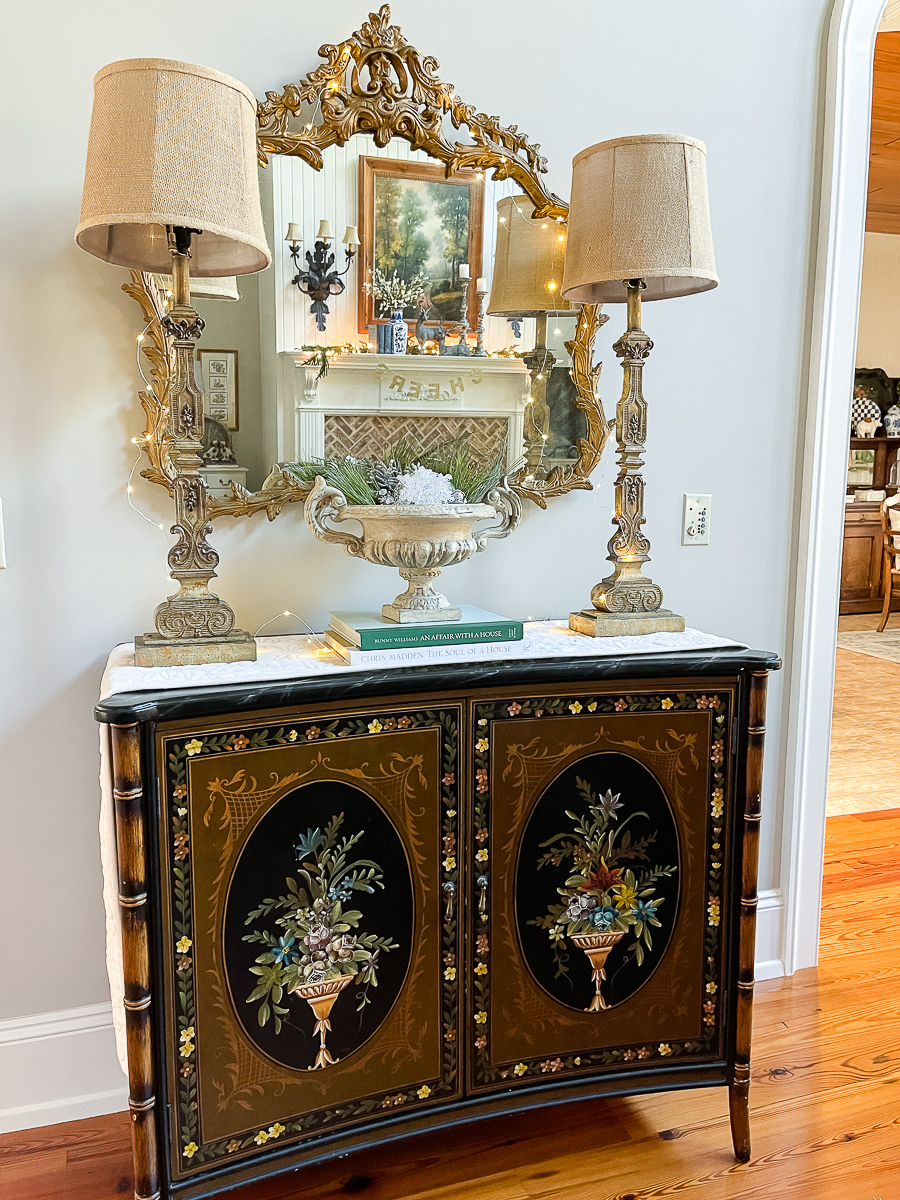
x,y
321,997
597,947
419,539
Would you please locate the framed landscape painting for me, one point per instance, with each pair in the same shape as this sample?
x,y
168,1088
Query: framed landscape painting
x,y
413,218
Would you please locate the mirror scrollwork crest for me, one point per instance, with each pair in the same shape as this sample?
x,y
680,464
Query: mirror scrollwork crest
x,y
376,84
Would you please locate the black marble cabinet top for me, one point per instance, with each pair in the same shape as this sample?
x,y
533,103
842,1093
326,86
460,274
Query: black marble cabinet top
x,y
180,703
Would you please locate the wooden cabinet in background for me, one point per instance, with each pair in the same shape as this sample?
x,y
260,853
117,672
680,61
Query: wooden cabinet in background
x,y
861,566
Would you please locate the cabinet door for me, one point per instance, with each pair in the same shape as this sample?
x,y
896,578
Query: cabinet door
x,y
599,846
861,563
309,879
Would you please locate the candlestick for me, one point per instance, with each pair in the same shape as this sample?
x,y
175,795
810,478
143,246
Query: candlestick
x,y
479,351
463,348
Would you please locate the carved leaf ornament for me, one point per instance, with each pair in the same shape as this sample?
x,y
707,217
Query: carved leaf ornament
x,y
376,83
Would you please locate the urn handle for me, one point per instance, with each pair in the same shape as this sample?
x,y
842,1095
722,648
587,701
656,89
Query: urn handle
x,y
326,503
508,507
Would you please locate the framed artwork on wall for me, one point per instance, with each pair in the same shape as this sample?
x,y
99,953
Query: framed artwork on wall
x,y
414,218
219,372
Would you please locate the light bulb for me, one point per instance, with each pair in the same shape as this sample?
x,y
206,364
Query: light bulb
x,y
286,613
140,337
557,332
551,286
162,526
130,489
544,226
503,220
561,238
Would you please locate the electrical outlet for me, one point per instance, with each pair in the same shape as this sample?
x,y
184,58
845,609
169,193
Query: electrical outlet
x,y
695,525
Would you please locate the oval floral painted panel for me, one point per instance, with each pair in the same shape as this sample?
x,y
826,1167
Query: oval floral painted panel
x,y
318,925
597,882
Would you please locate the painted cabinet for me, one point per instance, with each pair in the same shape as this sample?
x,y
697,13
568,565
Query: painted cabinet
x,y
358,908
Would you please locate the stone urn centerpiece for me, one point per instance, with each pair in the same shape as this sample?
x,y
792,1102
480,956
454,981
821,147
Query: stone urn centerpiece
x,y
418,539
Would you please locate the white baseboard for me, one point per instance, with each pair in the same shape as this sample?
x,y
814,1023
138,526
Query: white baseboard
x,y
59,1066
62,1066
769,923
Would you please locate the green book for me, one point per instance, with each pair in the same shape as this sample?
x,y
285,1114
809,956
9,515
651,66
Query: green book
x,y
371,631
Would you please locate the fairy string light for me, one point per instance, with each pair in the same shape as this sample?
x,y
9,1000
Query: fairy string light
x,y
321,647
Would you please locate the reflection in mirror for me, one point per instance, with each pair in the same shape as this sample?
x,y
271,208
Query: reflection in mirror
x,y
500,384
337,152
231,344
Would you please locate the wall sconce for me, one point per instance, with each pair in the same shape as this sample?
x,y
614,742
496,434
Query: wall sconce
x,y
320,280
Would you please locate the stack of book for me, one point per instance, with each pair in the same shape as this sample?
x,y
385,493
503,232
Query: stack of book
x,y
369,639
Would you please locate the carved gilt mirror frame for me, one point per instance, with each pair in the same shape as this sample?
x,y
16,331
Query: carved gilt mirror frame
x,y
375,83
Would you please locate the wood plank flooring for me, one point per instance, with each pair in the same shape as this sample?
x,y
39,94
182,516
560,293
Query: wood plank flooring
x,y
865,728
825,1097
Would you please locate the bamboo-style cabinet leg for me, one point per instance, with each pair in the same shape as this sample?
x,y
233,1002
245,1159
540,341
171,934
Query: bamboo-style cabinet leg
x,y
739,1088
133,908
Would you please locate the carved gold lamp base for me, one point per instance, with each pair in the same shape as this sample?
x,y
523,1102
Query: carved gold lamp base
x,y
593,623
154,650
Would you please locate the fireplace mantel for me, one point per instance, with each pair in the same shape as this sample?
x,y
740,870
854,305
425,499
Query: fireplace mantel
x,y
465,391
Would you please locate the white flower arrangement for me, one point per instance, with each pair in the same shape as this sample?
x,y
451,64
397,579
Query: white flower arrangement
x,y
420,485
395,293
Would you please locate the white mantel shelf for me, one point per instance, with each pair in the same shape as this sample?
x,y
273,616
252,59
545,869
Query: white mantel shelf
x,y
407,385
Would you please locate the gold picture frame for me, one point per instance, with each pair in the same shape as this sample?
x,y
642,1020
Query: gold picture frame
x,y
372,171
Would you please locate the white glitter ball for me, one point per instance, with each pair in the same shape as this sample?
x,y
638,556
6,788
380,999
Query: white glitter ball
x,y
422,486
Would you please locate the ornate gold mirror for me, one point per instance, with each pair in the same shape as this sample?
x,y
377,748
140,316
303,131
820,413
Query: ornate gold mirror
x,y
278,387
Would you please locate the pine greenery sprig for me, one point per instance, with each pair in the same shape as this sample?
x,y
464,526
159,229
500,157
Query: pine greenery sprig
x,y
363,480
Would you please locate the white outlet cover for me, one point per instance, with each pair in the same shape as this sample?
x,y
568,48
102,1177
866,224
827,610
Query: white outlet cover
x,y
695,519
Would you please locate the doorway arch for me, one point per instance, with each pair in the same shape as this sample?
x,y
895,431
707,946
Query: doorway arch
x,y
835,307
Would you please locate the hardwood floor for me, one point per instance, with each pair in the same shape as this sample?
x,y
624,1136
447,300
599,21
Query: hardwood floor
x,y
865,727
825,1097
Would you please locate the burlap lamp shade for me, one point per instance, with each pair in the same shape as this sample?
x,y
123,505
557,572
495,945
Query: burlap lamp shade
x,y
639,211
172,144
528,262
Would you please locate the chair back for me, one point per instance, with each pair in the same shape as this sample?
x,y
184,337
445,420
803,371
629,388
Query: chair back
x,y
890,528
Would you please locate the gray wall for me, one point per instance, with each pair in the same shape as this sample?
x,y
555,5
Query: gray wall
x,y
723,381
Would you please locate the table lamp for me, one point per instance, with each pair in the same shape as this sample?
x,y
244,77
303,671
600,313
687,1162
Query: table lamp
x,y
171,186
528,276
638,225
